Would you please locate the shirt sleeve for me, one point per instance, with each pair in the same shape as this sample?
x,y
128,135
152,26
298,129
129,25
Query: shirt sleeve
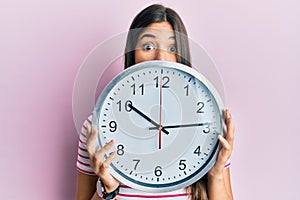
x,y
83,161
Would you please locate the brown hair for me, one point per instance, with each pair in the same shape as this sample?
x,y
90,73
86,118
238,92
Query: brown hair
x,y
152,14
159,13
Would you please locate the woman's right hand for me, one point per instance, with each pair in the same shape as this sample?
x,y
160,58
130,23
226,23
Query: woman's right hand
x,y
99,164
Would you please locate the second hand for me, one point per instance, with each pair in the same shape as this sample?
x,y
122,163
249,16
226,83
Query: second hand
x,y
160,109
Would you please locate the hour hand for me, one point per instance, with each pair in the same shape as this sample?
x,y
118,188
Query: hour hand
x,y
148,119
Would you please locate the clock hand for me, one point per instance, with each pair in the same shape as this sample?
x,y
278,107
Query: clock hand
x,y
181,126
148,119
160,108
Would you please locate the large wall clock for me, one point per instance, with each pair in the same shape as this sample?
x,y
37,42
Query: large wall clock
x,y
165,118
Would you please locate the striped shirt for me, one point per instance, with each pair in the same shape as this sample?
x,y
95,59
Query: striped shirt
x,y
125,192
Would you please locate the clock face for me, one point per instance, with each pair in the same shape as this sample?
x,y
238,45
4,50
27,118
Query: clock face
x,y
165,119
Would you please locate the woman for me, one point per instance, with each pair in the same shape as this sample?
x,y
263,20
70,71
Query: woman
x,y
156,33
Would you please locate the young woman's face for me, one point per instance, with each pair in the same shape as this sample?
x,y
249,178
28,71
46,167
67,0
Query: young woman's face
x,y
157,42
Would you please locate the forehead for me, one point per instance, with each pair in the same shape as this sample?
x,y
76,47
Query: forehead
x,y
161,25
159,29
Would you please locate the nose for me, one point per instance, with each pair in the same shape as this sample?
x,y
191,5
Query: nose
x,y
161,54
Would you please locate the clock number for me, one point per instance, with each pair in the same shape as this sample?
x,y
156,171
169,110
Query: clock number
x,y
207,129
187,90
182,164
112,126
136,163
141,87
197,151
201,106
119,103
127,108
165,79
157,171
120,150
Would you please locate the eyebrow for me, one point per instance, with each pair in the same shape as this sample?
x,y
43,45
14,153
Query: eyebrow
x,y
154,37
148,35
172,37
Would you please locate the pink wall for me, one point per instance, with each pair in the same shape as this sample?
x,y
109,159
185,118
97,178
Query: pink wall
x,y
255,44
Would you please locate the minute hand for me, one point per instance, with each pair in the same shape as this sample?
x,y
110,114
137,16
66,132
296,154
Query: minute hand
x,y
182,125
148,119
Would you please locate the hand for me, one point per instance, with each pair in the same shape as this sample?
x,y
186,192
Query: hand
x,y
98,163
226,147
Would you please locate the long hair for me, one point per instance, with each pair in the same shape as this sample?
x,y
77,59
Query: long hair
x,y
152,14
159,13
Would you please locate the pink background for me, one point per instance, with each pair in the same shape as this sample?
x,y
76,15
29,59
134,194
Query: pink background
x,y
255,45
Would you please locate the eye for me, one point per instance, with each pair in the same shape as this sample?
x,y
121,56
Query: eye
x,y
148,47
173,49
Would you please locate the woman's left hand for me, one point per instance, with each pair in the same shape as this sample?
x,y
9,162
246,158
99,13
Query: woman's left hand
x,y
226,146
